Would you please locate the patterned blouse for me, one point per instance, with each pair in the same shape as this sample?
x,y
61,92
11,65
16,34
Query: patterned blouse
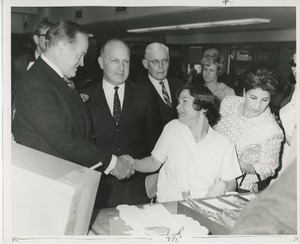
x,y
222,91
257,140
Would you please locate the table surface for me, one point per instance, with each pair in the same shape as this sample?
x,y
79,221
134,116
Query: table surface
x,y
103,219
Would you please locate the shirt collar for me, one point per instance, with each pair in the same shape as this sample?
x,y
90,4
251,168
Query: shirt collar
x,y
155,81
36,54
108,86
53,66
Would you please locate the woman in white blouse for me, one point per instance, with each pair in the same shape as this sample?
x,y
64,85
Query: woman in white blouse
x,y
193,157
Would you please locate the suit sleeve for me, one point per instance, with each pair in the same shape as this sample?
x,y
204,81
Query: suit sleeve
x,y
54,124
153,123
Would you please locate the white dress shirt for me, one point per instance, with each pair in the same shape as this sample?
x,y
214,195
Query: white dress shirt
x,y
159,88
109,93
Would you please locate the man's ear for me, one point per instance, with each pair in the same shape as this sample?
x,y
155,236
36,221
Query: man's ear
x,y
100,62
36,39
60,47
145,63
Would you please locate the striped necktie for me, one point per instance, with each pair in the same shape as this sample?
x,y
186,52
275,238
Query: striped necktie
x,y
165,95
117,106
70,83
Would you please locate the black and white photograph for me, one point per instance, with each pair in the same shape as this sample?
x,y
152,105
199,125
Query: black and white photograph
x,y
138,121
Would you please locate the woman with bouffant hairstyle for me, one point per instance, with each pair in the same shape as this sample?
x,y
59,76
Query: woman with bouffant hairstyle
x,y
254,130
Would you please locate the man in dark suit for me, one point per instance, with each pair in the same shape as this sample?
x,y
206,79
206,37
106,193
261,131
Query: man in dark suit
x,y
50,114
22,63
123,113
157,61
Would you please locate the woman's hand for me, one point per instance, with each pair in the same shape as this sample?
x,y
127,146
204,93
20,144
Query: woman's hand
x,y
130,159
247,168
217,189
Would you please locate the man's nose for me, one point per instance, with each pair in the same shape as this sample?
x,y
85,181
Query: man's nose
x,y
160,64
121,65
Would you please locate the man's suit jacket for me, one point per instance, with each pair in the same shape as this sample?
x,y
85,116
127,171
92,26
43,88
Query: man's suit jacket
x,y
18,69
52,118
135,134
166,114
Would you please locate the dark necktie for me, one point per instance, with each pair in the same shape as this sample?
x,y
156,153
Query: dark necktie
x,y
69,83
117,106
165,95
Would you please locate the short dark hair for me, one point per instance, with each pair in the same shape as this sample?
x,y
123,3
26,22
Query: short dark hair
x,y
204,99
113,40
209,60
64,30
263,76
292,52
45,24
291,60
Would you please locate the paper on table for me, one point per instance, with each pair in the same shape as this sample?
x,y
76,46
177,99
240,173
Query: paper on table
x,y
156,220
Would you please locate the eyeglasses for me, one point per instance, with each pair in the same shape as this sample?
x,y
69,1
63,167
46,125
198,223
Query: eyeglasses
x,y
157,62
292,63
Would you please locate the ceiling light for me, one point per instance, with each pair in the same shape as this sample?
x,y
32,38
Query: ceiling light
x,y
203,25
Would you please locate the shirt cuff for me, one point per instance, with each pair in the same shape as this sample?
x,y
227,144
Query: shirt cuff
x,y
111,165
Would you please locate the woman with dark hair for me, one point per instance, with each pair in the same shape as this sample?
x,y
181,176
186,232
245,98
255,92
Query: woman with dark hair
x,y
212,68
249,122
186,148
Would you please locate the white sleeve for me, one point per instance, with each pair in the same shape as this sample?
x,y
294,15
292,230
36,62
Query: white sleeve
x,y
230,167
163,144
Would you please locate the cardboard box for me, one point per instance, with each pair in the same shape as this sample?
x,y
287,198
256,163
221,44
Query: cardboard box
x,y
215,205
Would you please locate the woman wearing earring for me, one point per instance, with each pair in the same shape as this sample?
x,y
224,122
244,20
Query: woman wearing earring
x,y
212,68
193,157
249,122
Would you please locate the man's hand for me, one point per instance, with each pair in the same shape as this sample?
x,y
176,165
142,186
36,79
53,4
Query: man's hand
x,y
123,168
130,159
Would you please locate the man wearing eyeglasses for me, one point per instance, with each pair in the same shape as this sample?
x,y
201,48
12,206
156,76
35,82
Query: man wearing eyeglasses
x,y
23,63
157,62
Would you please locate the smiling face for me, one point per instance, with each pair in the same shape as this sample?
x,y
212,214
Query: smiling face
x,y
115,62
72,55
185,109
210,73
256,102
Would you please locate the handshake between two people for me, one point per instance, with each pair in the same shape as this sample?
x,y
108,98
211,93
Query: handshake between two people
x,y
125,167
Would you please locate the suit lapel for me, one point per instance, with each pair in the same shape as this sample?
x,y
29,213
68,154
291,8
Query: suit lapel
x,y
101,102
128,97
161,101
173,92
74,99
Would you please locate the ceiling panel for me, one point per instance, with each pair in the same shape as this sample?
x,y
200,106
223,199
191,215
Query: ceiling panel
x,y
281,18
